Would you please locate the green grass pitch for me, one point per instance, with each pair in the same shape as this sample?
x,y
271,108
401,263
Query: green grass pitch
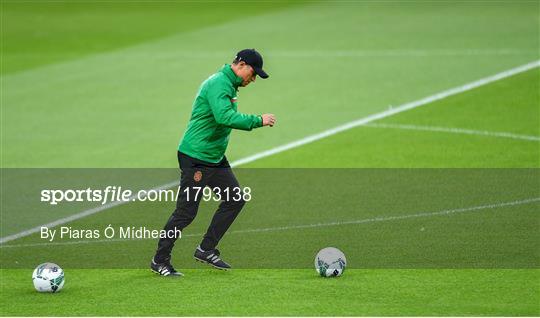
x,y
278,292
110,84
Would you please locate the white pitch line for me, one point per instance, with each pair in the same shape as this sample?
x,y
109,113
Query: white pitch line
x,y
305,140
315,225
389,112
81,215
464,131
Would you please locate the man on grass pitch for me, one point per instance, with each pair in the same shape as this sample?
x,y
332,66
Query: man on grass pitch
x,y
201,156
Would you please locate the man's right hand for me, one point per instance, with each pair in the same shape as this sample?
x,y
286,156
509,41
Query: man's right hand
x,y
268,120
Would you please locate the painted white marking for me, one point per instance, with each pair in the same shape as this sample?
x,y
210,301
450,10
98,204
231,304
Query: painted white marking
x,y
81,215
314,225
389,112
303,141
394,218
456,131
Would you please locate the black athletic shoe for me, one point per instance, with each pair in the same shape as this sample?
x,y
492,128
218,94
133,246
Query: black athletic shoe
x,y
164,269
211,257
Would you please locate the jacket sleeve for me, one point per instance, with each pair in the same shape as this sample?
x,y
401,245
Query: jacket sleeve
x,y
224,113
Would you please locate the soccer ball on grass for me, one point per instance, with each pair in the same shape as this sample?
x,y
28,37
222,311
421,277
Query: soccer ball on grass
x,y
330,262
48,278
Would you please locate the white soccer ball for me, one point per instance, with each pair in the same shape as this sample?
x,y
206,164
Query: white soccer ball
x,y
330,262
48,278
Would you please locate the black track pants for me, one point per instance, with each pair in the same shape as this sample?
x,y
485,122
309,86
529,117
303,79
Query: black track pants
x,y
196,173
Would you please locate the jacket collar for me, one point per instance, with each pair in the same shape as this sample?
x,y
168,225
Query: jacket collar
x,y
235,79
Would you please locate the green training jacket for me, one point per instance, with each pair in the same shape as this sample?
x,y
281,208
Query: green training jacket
x,y
214,115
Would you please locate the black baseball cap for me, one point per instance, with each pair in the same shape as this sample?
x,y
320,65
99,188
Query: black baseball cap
x,y
253,59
